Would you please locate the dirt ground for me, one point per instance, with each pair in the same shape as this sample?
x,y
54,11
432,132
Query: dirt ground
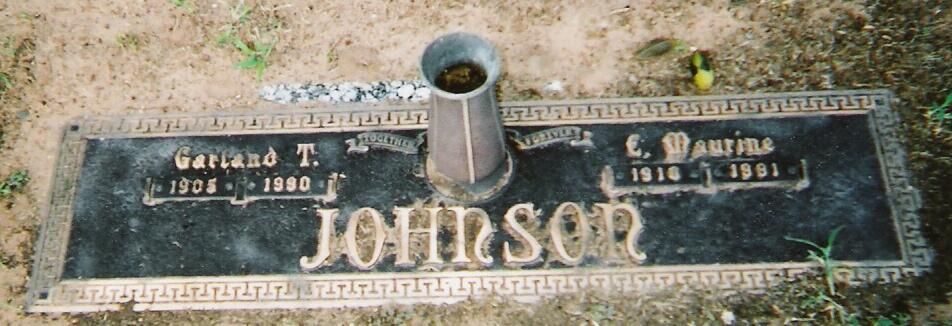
x,y
68,59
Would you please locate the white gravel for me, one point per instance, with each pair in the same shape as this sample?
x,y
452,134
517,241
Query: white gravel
x,y
554,86
347,92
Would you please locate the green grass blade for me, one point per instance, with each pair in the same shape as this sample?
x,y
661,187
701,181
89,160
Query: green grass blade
x,y
7,84
242,47
259,70
249,63
803,241
832,236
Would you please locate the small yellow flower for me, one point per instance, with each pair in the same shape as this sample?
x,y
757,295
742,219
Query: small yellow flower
x,y
703,75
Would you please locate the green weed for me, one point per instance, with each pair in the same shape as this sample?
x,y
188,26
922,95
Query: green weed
x,y
939,114
239,12
255,56
822,255
660,47
16,181
25,16
8,49
332,56
182,4
128,42
244,35
228,36
599,313
8,307
392,317
899,319
5,83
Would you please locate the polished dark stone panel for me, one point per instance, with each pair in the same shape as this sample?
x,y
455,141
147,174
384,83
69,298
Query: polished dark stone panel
x,y
115,235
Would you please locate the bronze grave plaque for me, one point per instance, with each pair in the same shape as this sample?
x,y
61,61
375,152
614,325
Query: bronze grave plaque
x,y
332,207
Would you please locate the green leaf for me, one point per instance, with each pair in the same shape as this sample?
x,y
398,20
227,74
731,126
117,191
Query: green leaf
x,y
853,320
248,63
227,36
6,83
240,12
242,47
259,69
182,4
803,241
264,49
658,48
15,181
8,48
19,178
832,236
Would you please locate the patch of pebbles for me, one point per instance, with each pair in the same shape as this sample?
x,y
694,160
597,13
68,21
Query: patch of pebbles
x,y
348,92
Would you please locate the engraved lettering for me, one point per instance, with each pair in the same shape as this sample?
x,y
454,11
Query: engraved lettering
x,y
198,162
675,146
753,171
270,159
350,238
730,147
753,146
631,146
224,160
238,161
183,186
181,158
572,136
404,231
512,226
581,233
674,173
304,151
212,161
291,184
254,161
212,186
482,238
634,228
700,149
197,186
715,148
767,145
327,217
415,233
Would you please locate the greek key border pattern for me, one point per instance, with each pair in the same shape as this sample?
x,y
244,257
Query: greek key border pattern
x,y
53,239
48,294
347,290
904,199
513,113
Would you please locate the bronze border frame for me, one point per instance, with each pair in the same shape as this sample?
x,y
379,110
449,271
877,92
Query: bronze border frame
x,y
47,293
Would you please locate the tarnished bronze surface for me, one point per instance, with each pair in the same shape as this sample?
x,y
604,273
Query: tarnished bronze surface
x,y
332,208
